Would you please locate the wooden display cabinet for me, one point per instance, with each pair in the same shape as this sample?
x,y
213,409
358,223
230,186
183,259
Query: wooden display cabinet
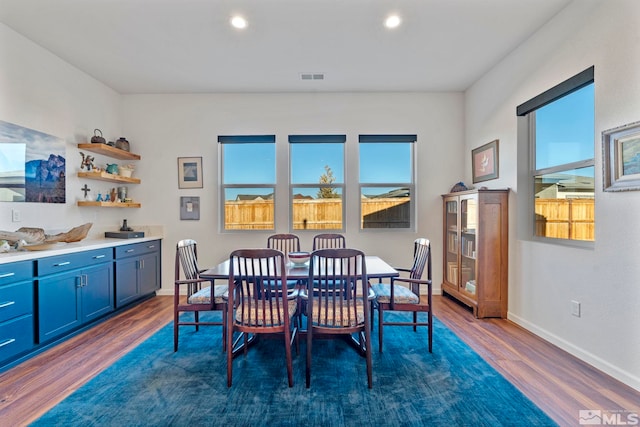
x,y
476,255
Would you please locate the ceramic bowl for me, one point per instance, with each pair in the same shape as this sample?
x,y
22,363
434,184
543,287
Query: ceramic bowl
x,y
299,258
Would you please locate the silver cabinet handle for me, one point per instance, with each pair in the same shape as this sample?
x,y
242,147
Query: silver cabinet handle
x,y
2,276
130,250
7,304
99,256
151,246
7,342
60,264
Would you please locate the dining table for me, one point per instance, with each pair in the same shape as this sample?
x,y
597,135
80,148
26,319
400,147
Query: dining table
x,y
376,267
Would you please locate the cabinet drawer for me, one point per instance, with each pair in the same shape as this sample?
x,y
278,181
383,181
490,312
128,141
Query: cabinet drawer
x,y
15,300
16,336
60,263
15,272
137,249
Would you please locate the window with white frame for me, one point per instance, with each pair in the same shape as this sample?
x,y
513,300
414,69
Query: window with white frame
x,y
316,184
387,181
247,165
561,136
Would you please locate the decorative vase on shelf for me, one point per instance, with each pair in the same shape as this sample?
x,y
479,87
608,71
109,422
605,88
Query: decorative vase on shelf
x,y
122,143
126,170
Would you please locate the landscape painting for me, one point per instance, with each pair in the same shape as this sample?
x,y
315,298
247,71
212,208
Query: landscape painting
x,y
630,149
32,165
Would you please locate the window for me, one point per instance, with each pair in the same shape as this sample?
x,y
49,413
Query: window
x,y
386,181
561,138
317,181
248,176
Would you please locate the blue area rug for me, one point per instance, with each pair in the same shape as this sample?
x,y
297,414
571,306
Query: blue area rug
x,y
153,386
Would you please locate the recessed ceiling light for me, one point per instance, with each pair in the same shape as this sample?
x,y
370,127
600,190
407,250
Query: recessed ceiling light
x,y
392,21
239,22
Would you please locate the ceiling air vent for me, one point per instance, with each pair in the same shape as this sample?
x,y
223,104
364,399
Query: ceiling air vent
x,y
311,76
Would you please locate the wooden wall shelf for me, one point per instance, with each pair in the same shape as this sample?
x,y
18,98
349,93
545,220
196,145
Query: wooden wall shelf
x,y
104,176
109,204
110,151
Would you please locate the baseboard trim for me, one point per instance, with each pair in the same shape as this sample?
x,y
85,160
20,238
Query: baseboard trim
x,y
587,357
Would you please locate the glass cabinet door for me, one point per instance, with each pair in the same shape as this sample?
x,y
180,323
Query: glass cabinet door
x,y
451,243
468,228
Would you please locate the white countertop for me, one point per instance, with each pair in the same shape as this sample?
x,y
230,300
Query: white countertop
x,y
67,248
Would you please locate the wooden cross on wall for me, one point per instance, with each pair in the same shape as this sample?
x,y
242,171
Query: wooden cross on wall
x,y
86,190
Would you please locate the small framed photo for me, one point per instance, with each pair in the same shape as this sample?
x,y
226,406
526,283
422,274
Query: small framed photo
x,y
190,208
484,162
189,172
621,158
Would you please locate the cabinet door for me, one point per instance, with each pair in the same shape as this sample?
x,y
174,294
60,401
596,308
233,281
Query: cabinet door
x,y
126,281
149,273
452,237
59,304
97,292
468,239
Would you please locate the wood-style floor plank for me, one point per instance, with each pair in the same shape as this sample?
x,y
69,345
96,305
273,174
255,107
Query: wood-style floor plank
x,y
557,382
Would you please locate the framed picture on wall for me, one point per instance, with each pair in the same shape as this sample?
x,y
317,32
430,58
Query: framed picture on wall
x,y
621,158
189,172
484,162
190,208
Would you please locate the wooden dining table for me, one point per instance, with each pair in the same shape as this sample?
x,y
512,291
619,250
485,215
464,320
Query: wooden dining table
x,y
376,267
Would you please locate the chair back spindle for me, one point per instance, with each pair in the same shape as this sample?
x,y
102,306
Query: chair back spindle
x,y
329,241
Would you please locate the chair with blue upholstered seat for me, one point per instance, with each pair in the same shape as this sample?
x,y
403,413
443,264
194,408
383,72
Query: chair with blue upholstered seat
x,y
334,303
258,303
193,293
408,294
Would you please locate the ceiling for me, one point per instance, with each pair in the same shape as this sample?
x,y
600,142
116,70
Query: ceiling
x,y
188,46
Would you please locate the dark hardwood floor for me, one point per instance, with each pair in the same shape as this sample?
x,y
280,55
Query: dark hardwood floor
x,y
557,382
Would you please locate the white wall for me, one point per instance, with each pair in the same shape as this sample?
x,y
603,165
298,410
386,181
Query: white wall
x,y
164,127
40,91
544,278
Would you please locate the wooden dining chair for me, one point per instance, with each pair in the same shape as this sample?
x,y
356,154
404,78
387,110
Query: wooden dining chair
x,y
285,243
328,241
334,302
409,294
201,294
258,303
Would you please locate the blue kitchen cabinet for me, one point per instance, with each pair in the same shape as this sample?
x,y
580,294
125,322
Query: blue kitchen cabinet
x,y
73,290
17,329
137,271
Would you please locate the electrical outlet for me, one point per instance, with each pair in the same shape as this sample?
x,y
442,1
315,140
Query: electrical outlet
x,y
575,308
16,215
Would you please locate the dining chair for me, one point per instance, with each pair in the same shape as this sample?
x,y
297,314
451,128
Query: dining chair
x,y
198,296
328,241
337,302
258,303
285,243
408,294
